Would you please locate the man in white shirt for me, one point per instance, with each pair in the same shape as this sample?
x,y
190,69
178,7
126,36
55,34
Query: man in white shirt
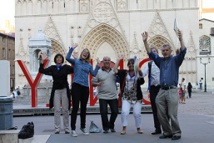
x,y
153,73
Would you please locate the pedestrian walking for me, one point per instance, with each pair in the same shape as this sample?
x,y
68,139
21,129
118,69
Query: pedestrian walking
x,y
189,88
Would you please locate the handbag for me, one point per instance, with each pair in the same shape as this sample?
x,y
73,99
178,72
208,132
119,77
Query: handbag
x,y
94,128
27,131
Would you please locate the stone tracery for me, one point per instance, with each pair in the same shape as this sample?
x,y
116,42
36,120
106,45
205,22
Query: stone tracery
x,y
204,45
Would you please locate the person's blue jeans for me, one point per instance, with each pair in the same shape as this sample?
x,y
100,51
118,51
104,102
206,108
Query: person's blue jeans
x,y
113,104
200,86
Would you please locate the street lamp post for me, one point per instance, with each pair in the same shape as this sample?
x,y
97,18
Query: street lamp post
x,y
205,71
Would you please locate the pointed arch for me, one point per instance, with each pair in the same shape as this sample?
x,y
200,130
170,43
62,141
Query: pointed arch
x,y
57,47
158,41
105,33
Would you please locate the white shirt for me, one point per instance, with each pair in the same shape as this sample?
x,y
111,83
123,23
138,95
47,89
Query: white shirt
x,y
183,85
155,73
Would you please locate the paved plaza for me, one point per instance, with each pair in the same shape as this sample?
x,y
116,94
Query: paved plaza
x,y
196,119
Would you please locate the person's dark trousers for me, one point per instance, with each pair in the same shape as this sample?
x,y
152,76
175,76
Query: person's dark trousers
x,y
190,93
80,95
153,93
113,104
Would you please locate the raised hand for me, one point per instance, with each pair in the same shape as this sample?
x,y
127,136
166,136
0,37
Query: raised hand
x,y
177,51
44,56
144,36
75,55
180,37
98,61
120,57
73,46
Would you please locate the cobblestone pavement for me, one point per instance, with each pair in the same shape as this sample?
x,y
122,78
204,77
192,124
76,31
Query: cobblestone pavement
x,y
201,103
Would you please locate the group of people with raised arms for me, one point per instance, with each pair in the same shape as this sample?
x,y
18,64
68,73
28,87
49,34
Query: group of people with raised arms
x,y
162,73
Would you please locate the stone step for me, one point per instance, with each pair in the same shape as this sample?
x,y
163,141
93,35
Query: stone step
x,y
9,136
35,139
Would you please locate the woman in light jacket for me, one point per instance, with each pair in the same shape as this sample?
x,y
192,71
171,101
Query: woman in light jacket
x,y
80,87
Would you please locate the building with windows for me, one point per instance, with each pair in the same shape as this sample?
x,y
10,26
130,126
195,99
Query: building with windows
x,y
7,52
206,52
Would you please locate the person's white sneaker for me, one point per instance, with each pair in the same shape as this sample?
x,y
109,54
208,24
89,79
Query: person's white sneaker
x,y
73,133
84,131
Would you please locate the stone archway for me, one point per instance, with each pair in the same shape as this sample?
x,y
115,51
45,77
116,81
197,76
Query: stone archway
x,y
158,41
105,33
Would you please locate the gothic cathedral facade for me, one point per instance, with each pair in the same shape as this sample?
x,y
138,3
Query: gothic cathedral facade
x,y
108,27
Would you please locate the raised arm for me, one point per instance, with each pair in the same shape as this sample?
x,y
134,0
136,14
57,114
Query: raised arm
x,y
139,72
180,56
144,38
47,71
180,37
94,72
115,68
68,56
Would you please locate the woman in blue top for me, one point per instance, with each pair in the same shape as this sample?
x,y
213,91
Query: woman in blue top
x,y
80,87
